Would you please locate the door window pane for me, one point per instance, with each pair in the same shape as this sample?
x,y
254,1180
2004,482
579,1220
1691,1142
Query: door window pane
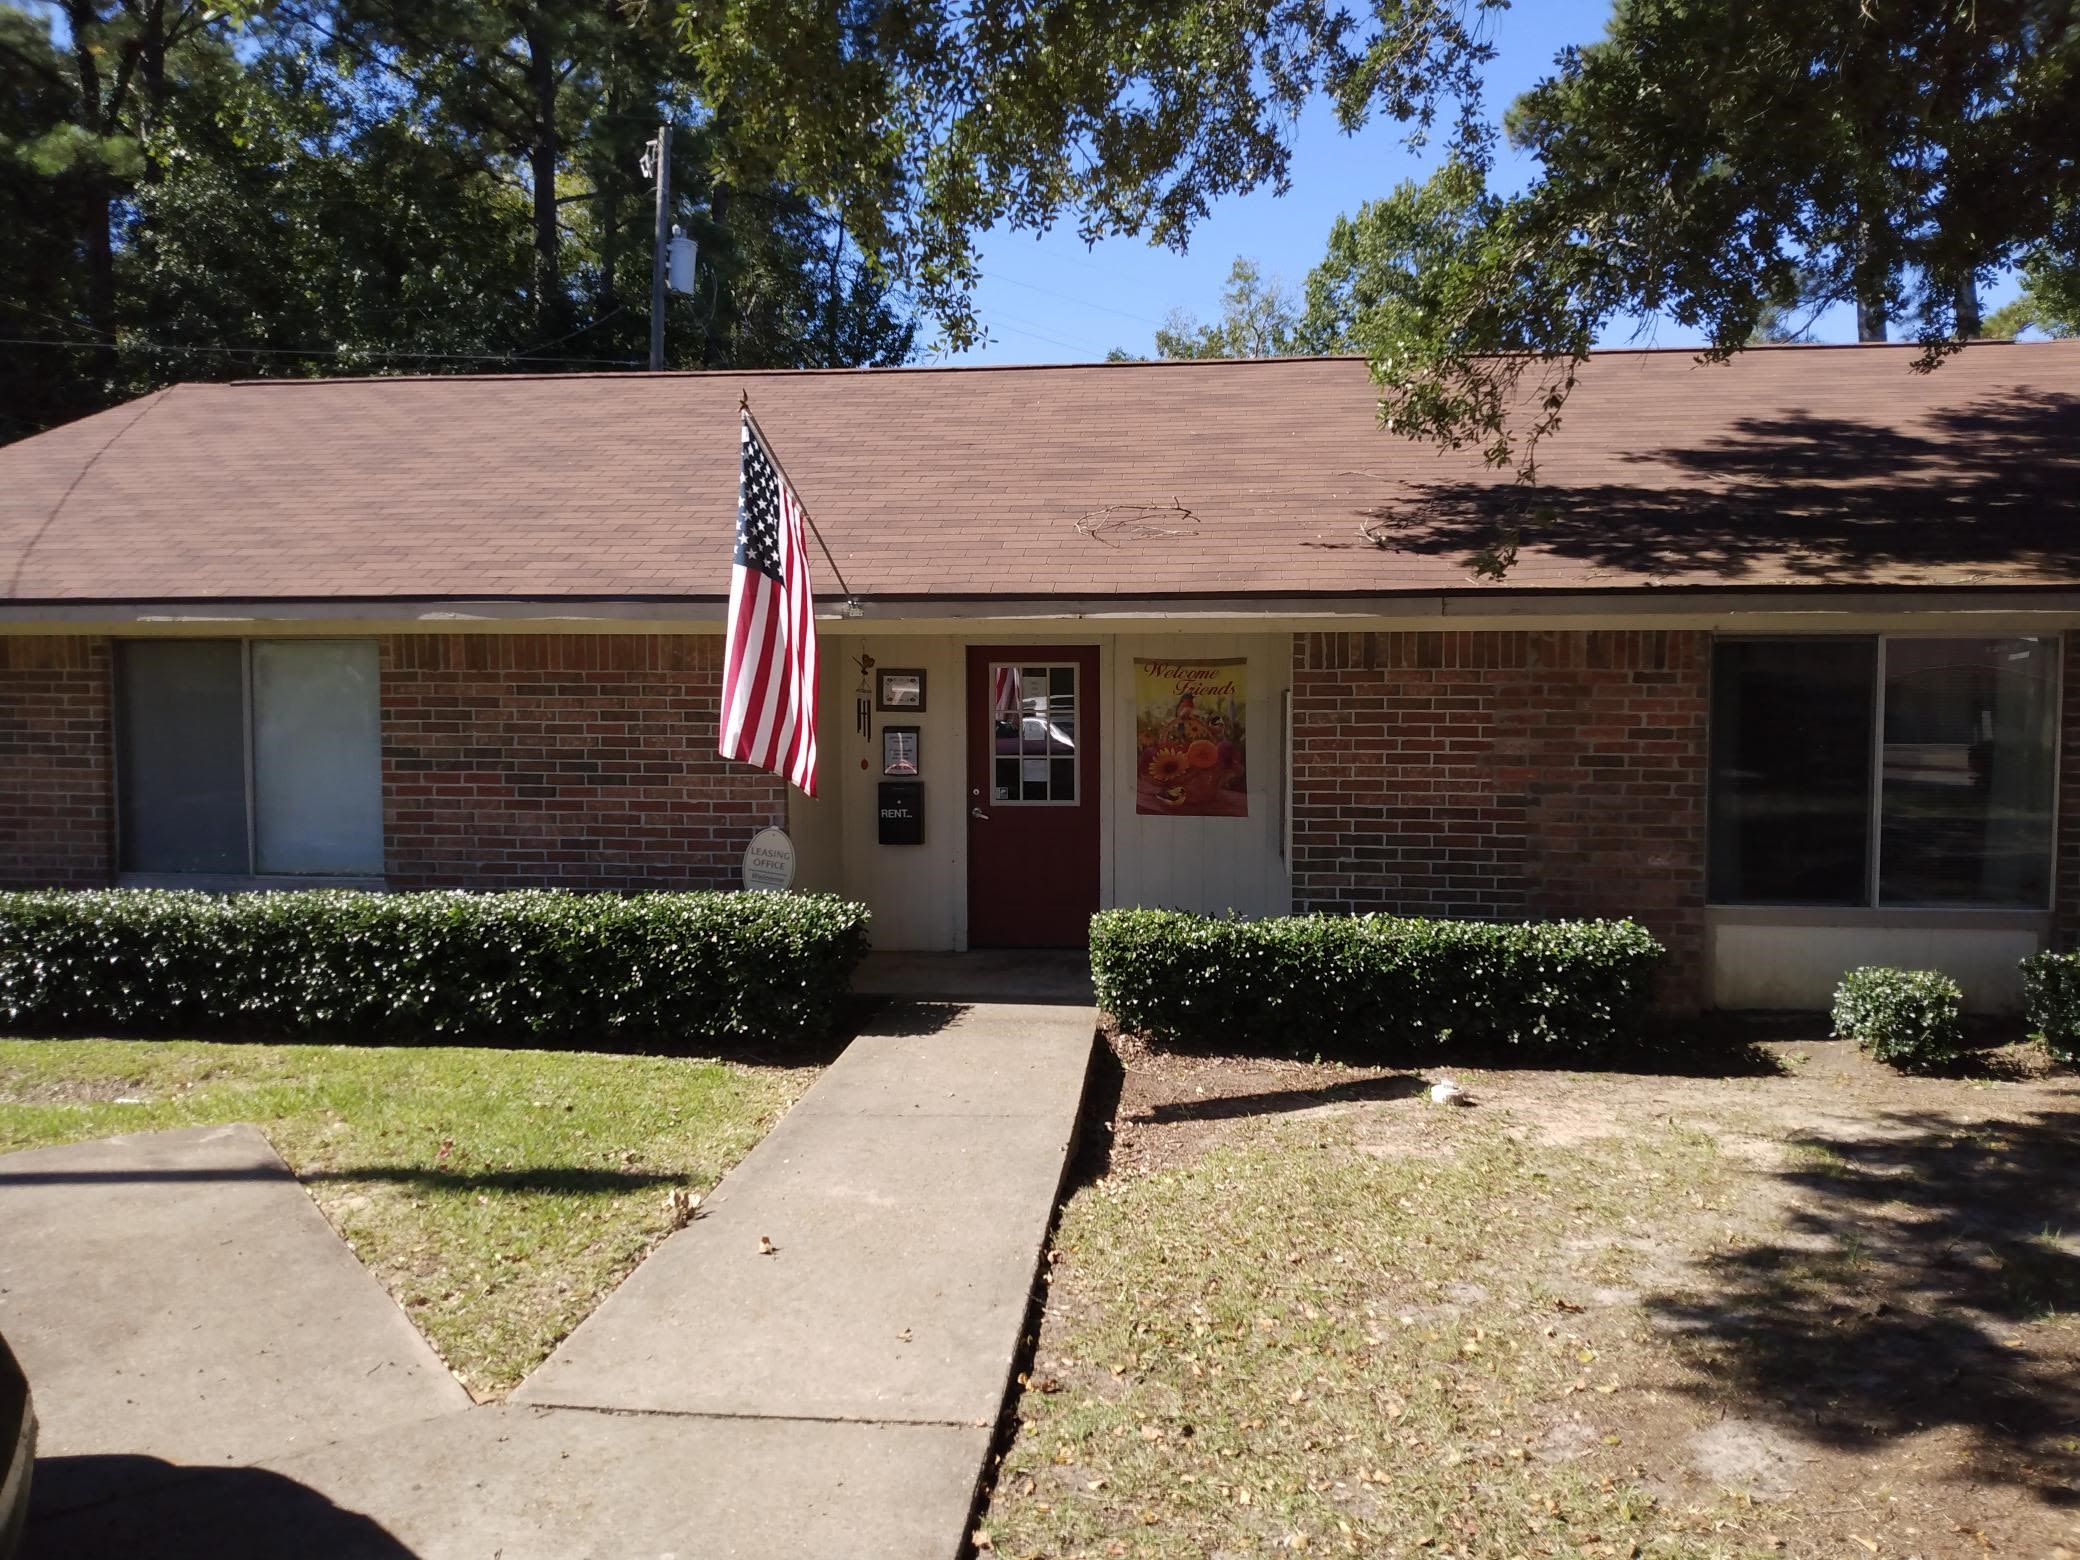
x,y
1791,770
1970,733
1033,747
181,756
317,757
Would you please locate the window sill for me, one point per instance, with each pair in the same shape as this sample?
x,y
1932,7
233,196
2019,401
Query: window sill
x,y
241,883
1862,915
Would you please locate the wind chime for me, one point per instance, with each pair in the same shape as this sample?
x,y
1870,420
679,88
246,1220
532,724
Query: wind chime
x,y
863,700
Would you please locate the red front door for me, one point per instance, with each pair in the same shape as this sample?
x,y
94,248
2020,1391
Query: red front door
x,y
1032,795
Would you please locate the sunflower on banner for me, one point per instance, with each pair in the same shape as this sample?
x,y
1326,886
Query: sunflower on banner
x,y
1190,721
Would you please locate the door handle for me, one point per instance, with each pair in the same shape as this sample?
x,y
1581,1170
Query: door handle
x,y
977,812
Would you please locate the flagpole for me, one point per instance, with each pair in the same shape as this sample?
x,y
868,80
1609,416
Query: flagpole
x,y
744,406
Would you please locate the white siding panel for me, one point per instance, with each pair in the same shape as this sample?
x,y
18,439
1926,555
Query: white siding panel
x,y
817,824
917,893
1798,966
1209,865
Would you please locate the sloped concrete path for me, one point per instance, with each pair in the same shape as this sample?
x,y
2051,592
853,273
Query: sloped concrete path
x,y
835,1396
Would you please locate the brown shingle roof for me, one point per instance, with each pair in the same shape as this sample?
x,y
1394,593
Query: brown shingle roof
x,y
1820,465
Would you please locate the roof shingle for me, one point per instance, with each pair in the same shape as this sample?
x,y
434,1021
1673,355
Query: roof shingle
x,y
1821,465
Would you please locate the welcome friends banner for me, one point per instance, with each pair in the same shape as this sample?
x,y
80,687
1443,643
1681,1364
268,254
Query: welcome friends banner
x,y
1189,727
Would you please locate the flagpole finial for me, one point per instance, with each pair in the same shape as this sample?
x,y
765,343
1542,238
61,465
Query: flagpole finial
x,y
743,400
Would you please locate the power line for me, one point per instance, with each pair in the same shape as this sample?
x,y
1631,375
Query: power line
x,y
1139,319
371,357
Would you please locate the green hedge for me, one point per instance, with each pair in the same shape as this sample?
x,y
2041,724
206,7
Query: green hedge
x,y
1905,1018
670,971
1567,986
2051,996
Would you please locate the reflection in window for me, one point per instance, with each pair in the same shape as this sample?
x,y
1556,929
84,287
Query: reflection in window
x,y
1970,731
1035,752
1791,759
1966,732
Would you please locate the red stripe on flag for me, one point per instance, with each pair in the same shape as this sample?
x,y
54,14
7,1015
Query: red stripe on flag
x,y
768,714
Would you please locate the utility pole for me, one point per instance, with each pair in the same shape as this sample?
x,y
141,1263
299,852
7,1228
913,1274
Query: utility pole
x,y
660,157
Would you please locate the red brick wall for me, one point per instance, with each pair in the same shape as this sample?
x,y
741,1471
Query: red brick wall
x,y
2065,929
562,760
57,826
1506,776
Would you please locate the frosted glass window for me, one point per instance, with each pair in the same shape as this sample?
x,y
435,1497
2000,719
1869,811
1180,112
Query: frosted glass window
x,y
181,755
317,758
237,758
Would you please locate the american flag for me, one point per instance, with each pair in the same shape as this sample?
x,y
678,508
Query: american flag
x,y
769,674
1005,697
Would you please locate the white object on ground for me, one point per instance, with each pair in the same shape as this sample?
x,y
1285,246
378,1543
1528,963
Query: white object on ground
x,y
1447,1093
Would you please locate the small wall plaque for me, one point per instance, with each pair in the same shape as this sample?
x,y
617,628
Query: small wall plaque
x,y
899,690
899,751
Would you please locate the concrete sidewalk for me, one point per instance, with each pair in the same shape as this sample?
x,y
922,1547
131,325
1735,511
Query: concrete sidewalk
x,y
177,1297
836,1396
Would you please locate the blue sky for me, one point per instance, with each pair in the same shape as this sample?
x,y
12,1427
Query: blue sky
x,y
1050,299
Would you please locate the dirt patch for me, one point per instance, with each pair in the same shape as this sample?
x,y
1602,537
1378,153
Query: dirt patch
x,y
1793,1303
1173,1106
1748,1457
71,1091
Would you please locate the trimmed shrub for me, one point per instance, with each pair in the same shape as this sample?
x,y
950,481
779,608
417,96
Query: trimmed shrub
x,y
675,972
1561,986
2051,997
1904,1018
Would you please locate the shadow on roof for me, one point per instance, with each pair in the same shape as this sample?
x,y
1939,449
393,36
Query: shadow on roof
x,y
1995,484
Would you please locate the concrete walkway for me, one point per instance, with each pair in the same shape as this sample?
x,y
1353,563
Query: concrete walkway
x,y
836,1396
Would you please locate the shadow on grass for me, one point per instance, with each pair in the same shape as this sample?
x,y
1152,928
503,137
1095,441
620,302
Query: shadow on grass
x,y
791,1052
1396,1086
1103,1085
1693,1053
564,1180
1889,1301
571,1180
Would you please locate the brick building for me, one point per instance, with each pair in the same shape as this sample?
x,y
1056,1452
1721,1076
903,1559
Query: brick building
x,y
1782,661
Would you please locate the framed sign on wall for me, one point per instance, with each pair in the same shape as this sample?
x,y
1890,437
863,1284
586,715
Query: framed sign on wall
x,y
899,751
899,690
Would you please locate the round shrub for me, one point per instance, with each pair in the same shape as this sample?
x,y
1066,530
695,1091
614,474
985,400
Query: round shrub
x,y
2051,997
1907,1019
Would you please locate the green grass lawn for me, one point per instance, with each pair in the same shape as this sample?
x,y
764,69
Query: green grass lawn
x,y
1296,1345
498,1194
1660,1317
